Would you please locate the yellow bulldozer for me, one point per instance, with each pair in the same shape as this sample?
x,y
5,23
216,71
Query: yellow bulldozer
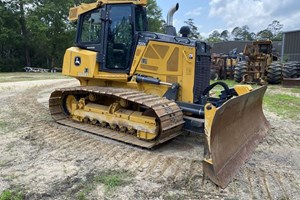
x,y
145,88
263,66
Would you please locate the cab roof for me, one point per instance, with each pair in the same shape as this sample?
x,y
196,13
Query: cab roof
x,y
83,8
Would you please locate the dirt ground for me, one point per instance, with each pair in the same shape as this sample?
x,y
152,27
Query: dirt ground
x,y
45,160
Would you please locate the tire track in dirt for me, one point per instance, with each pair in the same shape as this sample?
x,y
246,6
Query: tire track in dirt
x,y
167,169
167,166
275,181
291,184
290,140
113,155
242,185
271,184
257,184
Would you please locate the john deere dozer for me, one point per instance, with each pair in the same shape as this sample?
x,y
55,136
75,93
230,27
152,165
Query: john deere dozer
x,y
145,88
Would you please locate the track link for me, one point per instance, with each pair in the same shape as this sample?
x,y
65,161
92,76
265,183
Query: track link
x,y
168,113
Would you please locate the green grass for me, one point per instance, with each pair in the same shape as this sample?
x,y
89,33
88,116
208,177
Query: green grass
x,y
3,124
3,163
295,90
283,105
26,76
217,90
4,127
11,195
110,179
81,195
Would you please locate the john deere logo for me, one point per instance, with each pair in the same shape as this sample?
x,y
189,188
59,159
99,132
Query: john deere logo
x,y
77,61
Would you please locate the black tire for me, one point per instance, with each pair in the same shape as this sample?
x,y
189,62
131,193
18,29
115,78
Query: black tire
x,y
274,73
239,71
291,70
214,75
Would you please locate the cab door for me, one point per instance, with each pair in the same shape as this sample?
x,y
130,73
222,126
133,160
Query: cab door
x,y
119,38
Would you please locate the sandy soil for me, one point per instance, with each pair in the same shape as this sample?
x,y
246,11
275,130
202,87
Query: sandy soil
x,y
45,160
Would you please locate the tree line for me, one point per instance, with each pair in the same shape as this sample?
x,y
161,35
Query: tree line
x,y
36,33
272,32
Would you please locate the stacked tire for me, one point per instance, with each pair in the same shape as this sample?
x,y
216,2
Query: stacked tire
x,y
274,73
291,70
239,71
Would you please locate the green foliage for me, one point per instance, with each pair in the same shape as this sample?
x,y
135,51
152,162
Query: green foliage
x,y
11,195
286,58
272,32
154,17
52,30
237,33
34,33
10,39
215,36
275,28
265,34
194,30
242,33
225,35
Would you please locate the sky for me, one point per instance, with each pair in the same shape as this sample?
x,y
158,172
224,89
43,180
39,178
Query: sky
x,y
210,15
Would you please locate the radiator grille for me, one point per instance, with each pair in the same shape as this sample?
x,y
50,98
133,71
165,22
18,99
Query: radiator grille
x,y
202,71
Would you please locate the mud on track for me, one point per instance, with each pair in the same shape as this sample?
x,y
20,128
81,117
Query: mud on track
x,y
45,160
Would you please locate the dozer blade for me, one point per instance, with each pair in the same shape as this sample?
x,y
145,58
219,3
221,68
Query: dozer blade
x,y
238,126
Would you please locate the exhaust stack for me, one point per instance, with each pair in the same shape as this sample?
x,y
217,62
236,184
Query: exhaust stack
x,y
170,29
171,13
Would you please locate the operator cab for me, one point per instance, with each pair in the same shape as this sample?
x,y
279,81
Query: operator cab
x,y
265,48
110,30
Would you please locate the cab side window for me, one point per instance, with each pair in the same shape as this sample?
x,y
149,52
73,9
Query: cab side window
x,y
91,27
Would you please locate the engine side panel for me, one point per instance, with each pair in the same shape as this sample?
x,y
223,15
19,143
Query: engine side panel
x,y
173,63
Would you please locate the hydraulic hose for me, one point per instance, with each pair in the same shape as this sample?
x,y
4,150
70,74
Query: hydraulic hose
x,y
224,85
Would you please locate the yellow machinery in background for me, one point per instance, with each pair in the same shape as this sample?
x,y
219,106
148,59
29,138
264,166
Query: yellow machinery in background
x,y
223,65
145,88
259,67
263,66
